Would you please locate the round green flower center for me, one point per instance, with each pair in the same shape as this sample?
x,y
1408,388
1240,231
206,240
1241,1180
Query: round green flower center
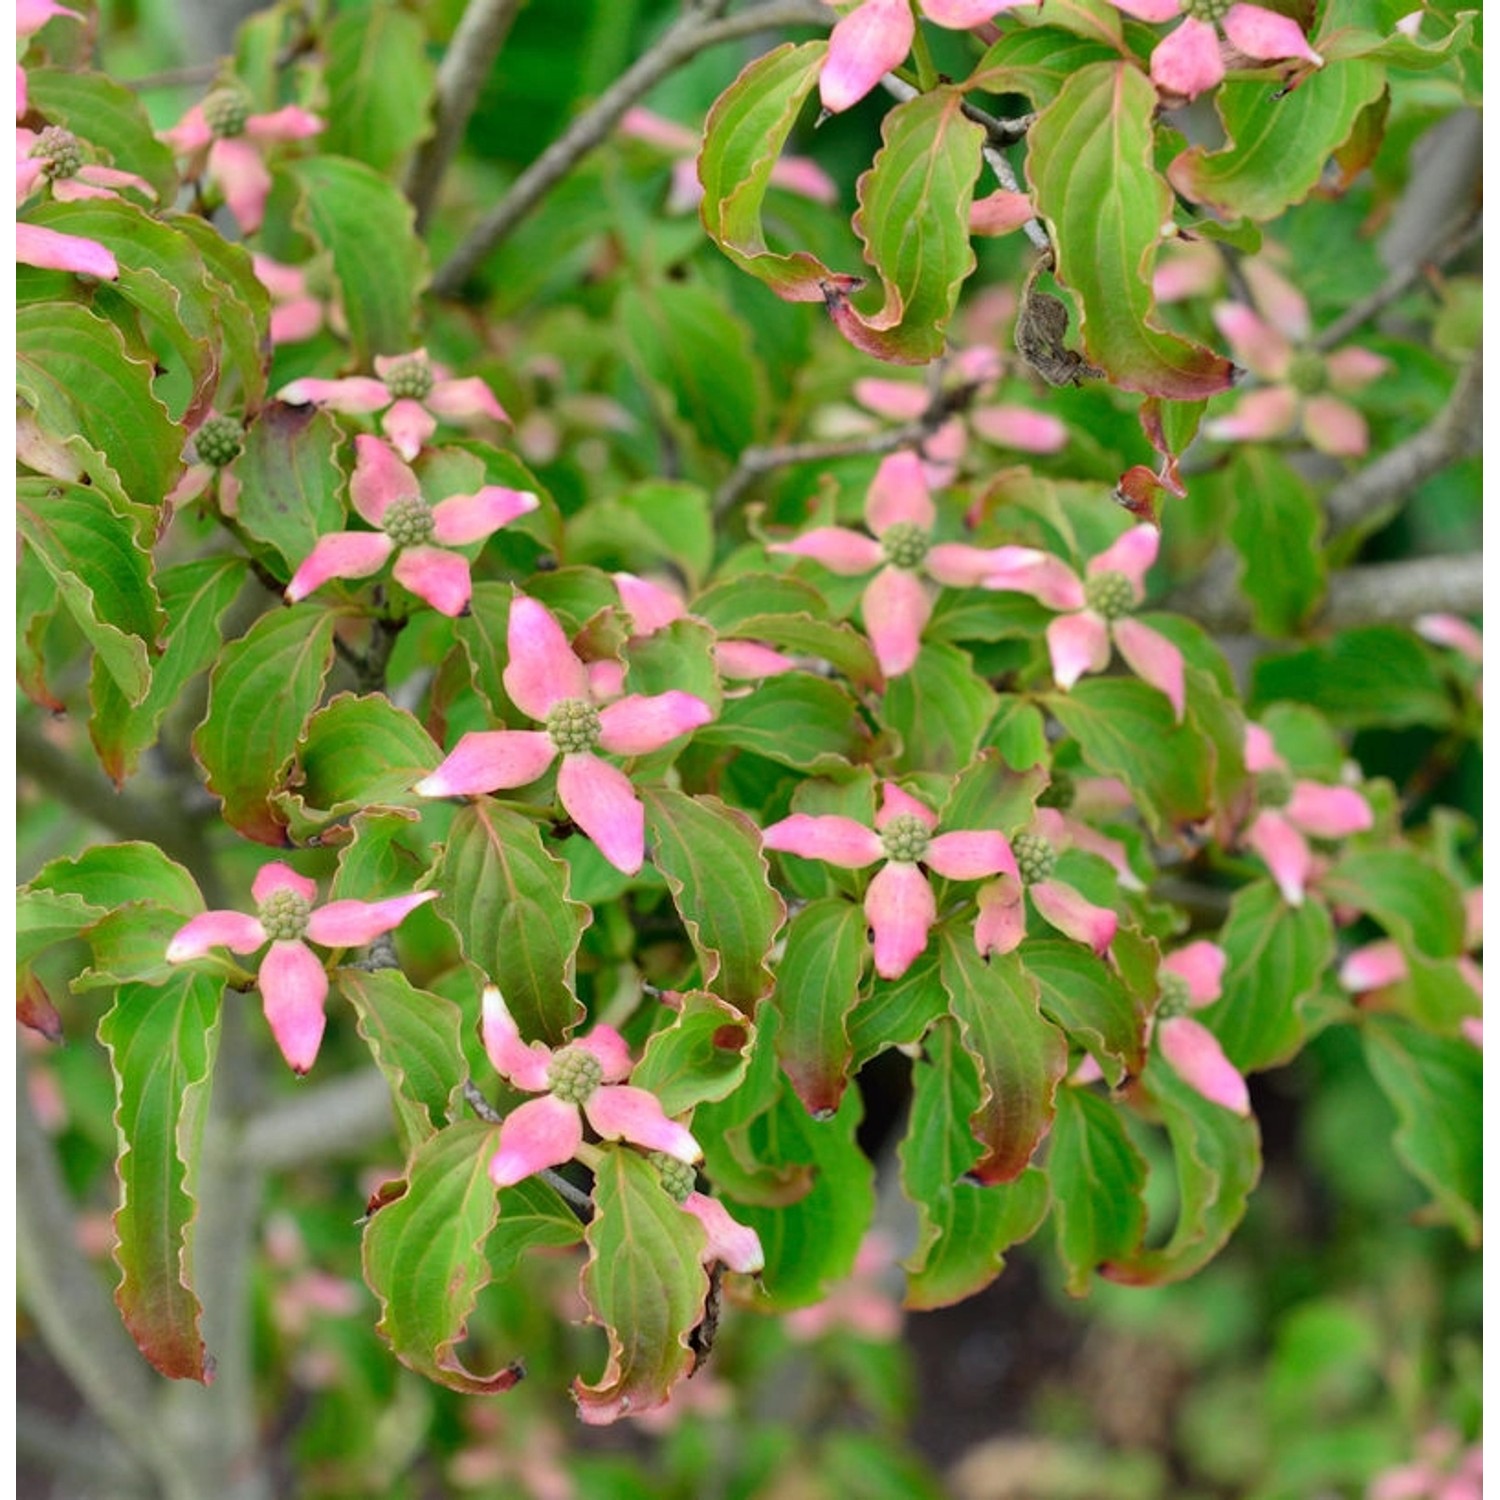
x,y
574,726
284,915
1212,11
1308,374
410,379
905,838
1059,793
58,150
574,1074
226,112
219,441
677,1177
409,522
1035,857
1110,595
1273,788
905,544
1176,995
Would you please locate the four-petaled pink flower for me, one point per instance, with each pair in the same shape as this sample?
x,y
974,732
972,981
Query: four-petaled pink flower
x,y
1301,381
899,902
1098,610
386,493
1190,979
293,982
1191,59
225,143
54,157
1290,808
897,603
411,391
547,682
586,1075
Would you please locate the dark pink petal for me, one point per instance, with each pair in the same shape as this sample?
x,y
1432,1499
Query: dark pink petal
x,y
1073,915
638,724
244,179
1260,751
277,876
1077,643
538,1134
610,1050
1328,812
1000,212
970,856
542,669
835,840
621,1113
1285,852
352,924
601,801
651,607
1201,964
750,661
32,15
293,986
380,479
463,400
486,760
1154,659
898,493
1188,61
1020,427
901,909
1264,34
1264,350
737,1245
863,47
356,395
900,400
837,548
1025,570
1198,1059
51,250
894,803
408,424
896,607
1332,426
1001,923
215,929
437,576
1373,967
289,123
525,1064
1132,554
343,554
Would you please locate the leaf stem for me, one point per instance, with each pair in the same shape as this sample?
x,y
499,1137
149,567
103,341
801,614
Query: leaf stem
x,y
927,74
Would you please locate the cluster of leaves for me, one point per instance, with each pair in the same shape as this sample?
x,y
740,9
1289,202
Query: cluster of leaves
x,y
177,479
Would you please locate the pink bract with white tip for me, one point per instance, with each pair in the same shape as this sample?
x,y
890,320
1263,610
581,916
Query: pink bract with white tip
x,y
1191,1048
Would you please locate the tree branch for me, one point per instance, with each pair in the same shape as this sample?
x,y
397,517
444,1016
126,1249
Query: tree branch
x,y
338,1118
695,31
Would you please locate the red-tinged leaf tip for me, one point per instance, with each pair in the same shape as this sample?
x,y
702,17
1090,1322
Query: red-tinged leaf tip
x,y
36,1011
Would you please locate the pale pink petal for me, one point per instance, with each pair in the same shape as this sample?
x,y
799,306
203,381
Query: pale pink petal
x,y
525,1064
1260,751
639,724
463,400
1198,1059
1332,426
276,876
75,189
352,924
280,280
610,1050
1000,212
901,909
1352,369
970,856
1087,1071
1452,631
1188,61
244,178
750,661
651,607
191,133
380,479
289,123
1285,852
1021,428
543,669
837,548
1328,812
600,800
1201,964
1268,413
606,679
1077,643
1260,347
356,395
215,929
29,170
895,803
896,607
113,177
32,15
978,365
486,760
1264,34
1283,305
293,986
1154,659
960,15
898,494
837,841
1192,270
1001,923
343,554
440,578
737,1245
538,1134
1110,850
803,176
296,321
1025,570
863,47
619,1112
961,566
900,400
1373,967
1472,1029
1073,915
1131,554
1148,10
408,424
942,451
51,250
641,124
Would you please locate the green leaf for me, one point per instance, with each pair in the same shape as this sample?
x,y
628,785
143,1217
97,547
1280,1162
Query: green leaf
x,y
940,709
423,1260
532,1215
1435,1084
710,855
1021,1056
1097,1178
795,719
380,84
369,228
483,635
45,917
1277,144
1083,996
414,1039
242,306
162,1042
261,691
701,1055
645,1285
964,1229
1339,39
678,657
898,1011
291,480
108,116
1405,892
656,521
101,574
817,985
1037,61
989,794
1276,527
1090,162
508,899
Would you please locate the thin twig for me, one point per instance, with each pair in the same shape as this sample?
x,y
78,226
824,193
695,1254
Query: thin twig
x,y
194,75
479,1104
695,31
